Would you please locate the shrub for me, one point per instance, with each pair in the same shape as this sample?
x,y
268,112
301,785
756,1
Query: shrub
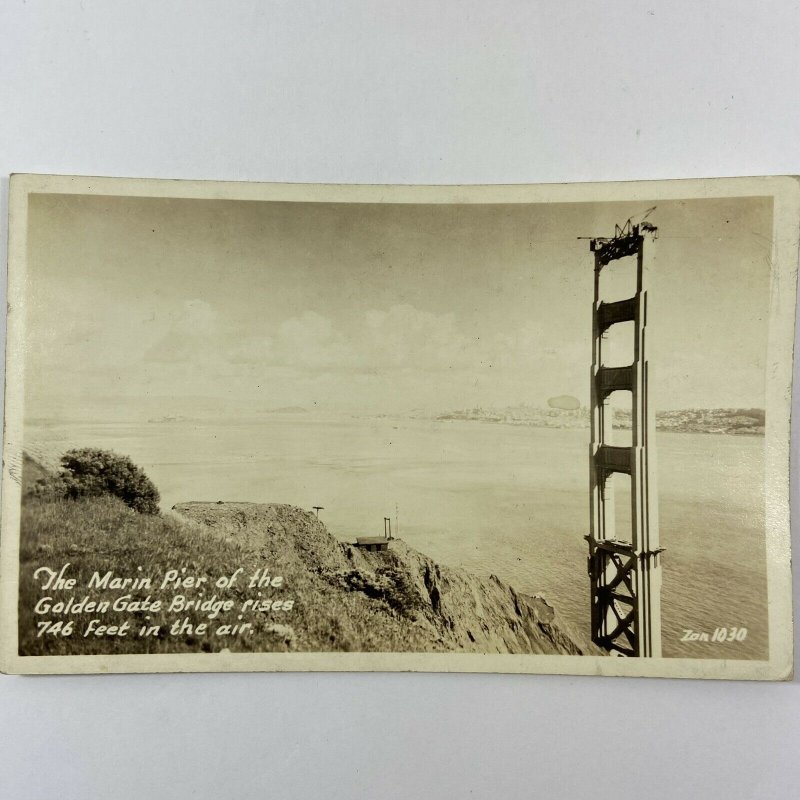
x,y
50,487
89,472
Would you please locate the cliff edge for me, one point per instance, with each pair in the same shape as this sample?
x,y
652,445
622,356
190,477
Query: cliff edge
x,y
396,599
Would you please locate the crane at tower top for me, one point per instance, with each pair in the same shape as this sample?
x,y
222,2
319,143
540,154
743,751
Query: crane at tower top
x,y
632,227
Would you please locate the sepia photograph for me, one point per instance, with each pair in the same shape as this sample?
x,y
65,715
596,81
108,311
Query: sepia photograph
x,y
398,400
523,428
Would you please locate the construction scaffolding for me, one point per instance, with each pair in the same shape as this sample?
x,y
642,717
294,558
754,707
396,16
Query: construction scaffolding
x,y
624,567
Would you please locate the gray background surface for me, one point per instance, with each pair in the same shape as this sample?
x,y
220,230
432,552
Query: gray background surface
x,y
418,92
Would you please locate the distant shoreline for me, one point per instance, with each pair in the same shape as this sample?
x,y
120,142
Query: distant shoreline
x,y
719,421
725,421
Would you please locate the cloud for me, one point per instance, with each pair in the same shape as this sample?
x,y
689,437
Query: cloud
x,y
398,356
94,331
195,316
311,341
401,338
405,337
308,341
193,333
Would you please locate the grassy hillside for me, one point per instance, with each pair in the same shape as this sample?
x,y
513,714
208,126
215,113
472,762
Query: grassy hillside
x,y
344,599
104,534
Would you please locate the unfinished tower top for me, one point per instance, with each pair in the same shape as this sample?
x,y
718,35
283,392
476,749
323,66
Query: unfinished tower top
x,y
624,242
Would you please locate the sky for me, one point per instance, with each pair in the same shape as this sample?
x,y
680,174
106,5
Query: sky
x,y
145,306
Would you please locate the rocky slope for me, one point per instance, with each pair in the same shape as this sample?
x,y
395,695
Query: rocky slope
x,y
428,607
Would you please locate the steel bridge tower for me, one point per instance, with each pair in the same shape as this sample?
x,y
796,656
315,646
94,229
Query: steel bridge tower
x,y
624,571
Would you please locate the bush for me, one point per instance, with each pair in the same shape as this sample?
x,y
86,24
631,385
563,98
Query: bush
x,y
90,472
50,487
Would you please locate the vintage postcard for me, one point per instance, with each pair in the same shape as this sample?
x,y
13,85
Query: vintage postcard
x,y
533,429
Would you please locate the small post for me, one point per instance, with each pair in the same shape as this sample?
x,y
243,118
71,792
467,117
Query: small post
x,y
317,509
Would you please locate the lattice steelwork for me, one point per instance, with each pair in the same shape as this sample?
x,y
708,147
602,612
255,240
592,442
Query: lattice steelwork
x,y
625,573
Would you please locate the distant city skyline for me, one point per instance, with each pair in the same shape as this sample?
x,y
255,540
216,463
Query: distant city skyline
x,y
172,306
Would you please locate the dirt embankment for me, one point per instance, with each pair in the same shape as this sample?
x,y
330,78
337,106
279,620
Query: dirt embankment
x,y
446,609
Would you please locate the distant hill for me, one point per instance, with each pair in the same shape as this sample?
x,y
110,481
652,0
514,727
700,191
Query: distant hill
x,y
287,410
523,415
735,421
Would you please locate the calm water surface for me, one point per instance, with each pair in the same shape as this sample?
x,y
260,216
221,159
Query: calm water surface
x,y
501,499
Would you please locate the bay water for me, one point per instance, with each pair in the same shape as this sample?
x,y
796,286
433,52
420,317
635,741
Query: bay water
x,y
509,500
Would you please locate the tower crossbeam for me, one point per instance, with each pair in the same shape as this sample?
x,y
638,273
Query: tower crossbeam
x,y
624,570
